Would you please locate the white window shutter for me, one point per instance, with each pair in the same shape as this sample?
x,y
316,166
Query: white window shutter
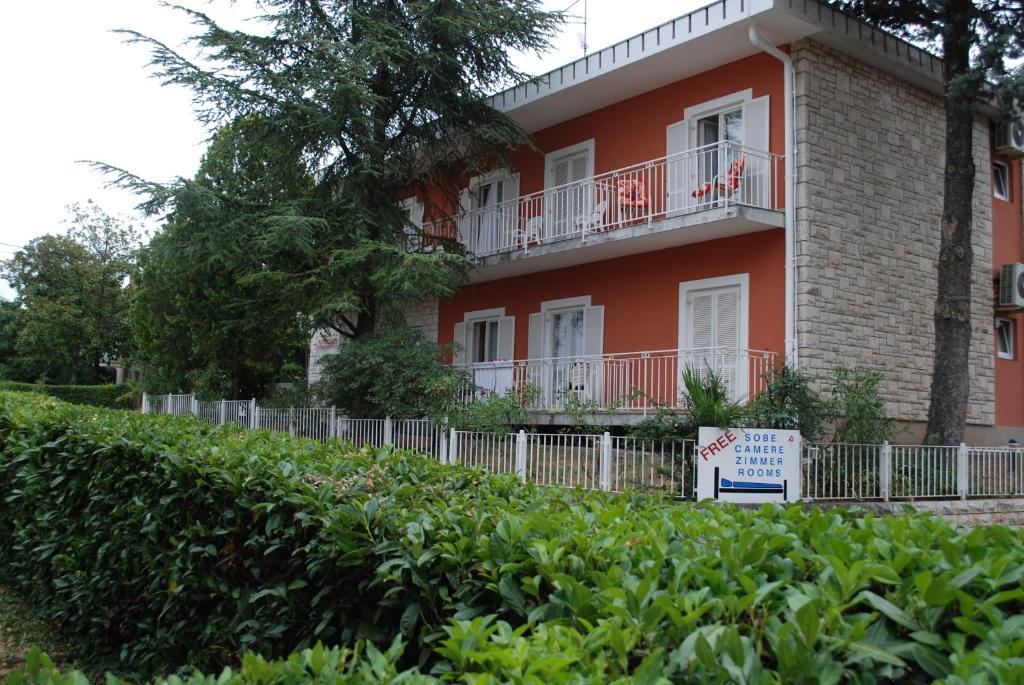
x,y
507,338
699,330
727,328
677,138
593,331
755,124
416,215
510,219
459,355
535,346
465,204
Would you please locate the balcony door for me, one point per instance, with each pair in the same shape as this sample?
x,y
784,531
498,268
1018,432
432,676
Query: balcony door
x,y
703,147
713,331
566,341
568,197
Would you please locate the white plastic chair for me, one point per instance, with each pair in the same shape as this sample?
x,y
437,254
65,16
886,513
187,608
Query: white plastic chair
x,y
532,231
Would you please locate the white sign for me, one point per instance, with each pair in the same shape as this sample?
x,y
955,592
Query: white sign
x,y
748,465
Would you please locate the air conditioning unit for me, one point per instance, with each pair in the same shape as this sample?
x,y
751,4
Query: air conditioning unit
x,y
1010,138
1011,286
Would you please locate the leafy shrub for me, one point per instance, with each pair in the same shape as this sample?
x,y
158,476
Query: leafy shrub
x,y
858,409
706,402
495,413
789,402
110,396
163,542
395,372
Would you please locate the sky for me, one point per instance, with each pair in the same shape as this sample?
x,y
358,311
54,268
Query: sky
x,y
75,91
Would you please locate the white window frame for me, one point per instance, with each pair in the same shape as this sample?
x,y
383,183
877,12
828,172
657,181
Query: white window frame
x,y
479,316
996,165
742,280
475,182
566,303
1009,324
550,157
718,105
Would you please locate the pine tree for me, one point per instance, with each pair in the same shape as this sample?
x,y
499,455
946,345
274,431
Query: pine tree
x,y
978,41
356,103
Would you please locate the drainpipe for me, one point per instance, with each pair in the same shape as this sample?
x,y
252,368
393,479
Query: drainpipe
x,y
759,41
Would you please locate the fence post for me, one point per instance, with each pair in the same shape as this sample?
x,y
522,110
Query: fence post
x,y
389,436
220,414
332,423
195,407
169,408
291,421
255,415
521,455
885,471
442,448
961,471
252,413
606,461
453,447
145,403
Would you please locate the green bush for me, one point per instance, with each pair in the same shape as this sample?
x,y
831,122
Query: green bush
x,y
395,372
163,543
789,402
858,408
111,396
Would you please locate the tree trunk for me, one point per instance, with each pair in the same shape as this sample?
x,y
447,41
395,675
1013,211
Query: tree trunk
x,y
947,412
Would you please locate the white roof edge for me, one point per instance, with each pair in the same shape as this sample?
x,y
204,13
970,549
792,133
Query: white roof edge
x,y
834,28
701,21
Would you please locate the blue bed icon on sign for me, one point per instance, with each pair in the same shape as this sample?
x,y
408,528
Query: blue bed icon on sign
x,y
749,487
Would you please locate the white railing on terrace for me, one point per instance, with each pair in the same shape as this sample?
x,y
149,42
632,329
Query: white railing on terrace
x,y
829,472
625,381
709,177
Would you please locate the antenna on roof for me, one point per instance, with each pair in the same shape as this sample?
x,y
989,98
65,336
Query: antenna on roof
x,y
577,19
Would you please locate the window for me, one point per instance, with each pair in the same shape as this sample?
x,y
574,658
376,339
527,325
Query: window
x,y
1004,338
569,199
1001,180
723,127
567,334
484,341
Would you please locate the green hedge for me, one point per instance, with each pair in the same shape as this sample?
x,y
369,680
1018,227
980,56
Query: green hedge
x,y
162,542
111,396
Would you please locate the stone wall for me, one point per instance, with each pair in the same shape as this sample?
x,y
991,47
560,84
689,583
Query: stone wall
x,y
964,513
424,318
869,202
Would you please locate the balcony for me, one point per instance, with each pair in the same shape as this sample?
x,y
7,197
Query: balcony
x,y
708,192
629,383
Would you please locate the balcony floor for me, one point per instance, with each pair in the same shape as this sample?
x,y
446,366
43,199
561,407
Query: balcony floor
x,y
683,229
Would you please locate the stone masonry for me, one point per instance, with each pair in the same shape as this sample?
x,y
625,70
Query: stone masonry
x,y
869,202
423,317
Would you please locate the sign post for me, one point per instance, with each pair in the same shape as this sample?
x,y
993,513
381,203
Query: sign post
x,y
748,465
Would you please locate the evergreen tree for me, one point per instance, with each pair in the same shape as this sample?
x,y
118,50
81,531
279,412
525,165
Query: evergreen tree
x,y
356,103
978,42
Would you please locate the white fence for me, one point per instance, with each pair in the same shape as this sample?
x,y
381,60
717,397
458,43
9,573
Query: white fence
x,y
832,472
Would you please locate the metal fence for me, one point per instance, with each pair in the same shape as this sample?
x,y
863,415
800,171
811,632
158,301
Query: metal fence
x,y
829,472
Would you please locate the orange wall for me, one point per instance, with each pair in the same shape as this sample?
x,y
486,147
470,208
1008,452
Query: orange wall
x,y
1006,247
640,293
633,130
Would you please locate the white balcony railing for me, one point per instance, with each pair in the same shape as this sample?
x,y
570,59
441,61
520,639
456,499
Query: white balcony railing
x,y
621,382
709,177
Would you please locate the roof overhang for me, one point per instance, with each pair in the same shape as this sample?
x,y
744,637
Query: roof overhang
x,y
701,40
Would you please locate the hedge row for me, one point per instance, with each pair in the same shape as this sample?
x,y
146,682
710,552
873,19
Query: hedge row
x,y
162,542
111,396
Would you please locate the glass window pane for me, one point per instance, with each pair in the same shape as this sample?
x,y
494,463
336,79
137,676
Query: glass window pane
x,y
492,340
1001,181
733,126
